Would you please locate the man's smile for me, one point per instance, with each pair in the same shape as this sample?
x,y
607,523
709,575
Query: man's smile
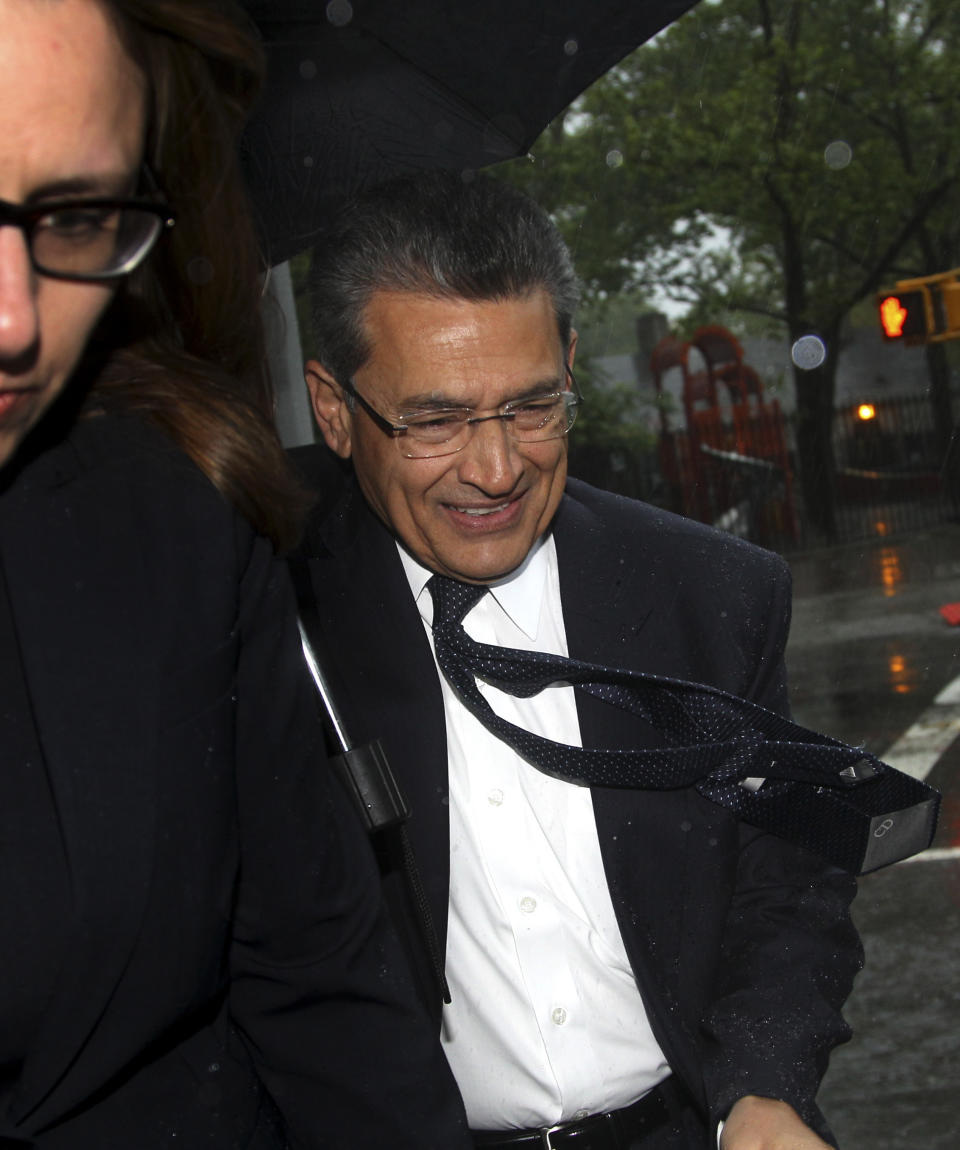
x,y
481,510
487,517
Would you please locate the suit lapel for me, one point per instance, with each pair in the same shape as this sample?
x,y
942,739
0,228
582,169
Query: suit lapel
x,y
80,681
607,604
383,673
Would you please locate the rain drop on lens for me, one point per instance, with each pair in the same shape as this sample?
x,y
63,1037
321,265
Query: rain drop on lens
x,y
837,155
808,352
614,158
339,12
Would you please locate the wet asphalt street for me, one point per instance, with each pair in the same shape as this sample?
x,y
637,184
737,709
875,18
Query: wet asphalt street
x,y
868,655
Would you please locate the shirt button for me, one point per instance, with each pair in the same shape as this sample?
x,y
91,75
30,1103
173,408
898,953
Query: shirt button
x,y
559,1015
528,905
495,797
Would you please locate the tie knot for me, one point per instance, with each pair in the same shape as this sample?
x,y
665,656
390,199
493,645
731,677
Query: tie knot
x,y
452,600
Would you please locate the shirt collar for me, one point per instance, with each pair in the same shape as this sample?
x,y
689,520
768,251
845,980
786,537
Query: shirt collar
x,y
520,594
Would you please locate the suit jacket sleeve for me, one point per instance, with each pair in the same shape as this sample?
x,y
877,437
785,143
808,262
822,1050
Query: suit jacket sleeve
x,y
742,945
317,988
789,951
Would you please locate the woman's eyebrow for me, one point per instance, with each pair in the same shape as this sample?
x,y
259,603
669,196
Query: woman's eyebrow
x,y
108,184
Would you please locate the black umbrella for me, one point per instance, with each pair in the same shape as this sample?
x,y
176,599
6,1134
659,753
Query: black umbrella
x,y
361,90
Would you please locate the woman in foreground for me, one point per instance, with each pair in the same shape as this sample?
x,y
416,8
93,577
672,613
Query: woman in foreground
x,y
191,951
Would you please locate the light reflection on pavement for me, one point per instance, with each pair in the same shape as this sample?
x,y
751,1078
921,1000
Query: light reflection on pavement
x,y
869,653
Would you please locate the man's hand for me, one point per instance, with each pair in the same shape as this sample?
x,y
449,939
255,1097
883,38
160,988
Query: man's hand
x,y
766,1124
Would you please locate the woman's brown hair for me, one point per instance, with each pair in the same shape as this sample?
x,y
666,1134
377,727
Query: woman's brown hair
x,y
184,343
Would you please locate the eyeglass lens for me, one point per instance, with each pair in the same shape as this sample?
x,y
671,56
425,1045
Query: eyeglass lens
x,y
548,417
88,239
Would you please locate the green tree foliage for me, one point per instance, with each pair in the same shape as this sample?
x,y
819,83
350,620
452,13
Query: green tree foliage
x,y
611,444
815,142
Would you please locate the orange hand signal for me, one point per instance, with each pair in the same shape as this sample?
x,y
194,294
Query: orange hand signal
x,y
892,316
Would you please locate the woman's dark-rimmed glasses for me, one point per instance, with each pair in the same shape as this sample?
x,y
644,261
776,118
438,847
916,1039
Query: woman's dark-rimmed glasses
x,y
80,238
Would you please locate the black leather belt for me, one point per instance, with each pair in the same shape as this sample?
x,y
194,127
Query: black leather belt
x,y
615,1130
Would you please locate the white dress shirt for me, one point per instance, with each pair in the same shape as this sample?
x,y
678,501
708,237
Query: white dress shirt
x,y
546,1023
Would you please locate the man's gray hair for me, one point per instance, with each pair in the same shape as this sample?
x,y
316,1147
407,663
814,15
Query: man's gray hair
x,y
438,234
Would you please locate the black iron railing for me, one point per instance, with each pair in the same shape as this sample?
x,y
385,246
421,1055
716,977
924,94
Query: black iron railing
x,y
895,472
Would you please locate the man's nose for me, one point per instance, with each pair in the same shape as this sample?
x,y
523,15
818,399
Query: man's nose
x,y
19,320
491,461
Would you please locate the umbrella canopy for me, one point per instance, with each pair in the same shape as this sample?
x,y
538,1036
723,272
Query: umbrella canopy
x,y
361,90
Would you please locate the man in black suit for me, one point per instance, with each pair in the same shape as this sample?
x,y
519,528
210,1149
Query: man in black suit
x,y
627,968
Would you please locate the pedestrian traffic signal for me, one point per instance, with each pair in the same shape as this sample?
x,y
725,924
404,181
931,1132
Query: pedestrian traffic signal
x,y
923,310
904,315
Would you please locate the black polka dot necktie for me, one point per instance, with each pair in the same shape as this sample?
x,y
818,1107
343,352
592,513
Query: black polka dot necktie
x,y
711,740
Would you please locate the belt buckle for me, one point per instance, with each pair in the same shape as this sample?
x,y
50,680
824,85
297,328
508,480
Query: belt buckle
x,y
546,1132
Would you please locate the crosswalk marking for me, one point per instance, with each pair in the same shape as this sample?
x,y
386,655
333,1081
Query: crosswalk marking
x,y
919,748
935,854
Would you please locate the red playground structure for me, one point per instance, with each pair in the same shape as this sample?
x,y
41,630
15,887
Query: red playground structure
x,y
729,464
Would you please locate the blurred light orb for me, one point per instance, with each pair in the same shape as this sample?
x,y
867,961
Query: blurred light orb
x,y
339,12
808,352
837,155
866,411
614,158
308,161
571,47
308,69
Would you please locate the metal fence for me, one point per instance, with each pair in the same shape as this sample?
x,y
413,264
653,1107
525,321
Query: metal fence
x,y
896,471
895,468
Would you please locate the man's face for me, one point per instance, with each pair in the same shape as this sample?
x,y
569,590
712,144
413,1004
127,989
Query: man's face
x,y
473,515
71,124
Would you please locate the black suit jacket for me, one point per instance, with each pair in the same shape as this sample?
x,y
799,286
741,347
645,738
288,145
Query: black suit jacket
x,y
226,925
740,943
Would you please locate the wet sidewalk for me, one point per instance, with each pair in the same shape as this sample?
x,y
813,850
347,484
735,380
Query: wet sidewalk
x,y
868,648
869,652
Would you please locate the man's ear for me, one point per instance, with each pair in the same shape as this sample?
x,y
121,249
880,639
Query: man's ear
x,y
329,407
572,349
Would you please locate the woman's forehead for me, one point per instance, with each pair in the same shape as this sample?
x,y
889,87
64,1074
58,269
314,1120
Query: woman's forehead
x,y
71,99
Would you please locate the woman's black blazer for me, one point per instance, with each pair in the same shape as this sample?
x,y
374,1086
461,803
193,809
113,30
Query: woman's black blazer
x,y
226,931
